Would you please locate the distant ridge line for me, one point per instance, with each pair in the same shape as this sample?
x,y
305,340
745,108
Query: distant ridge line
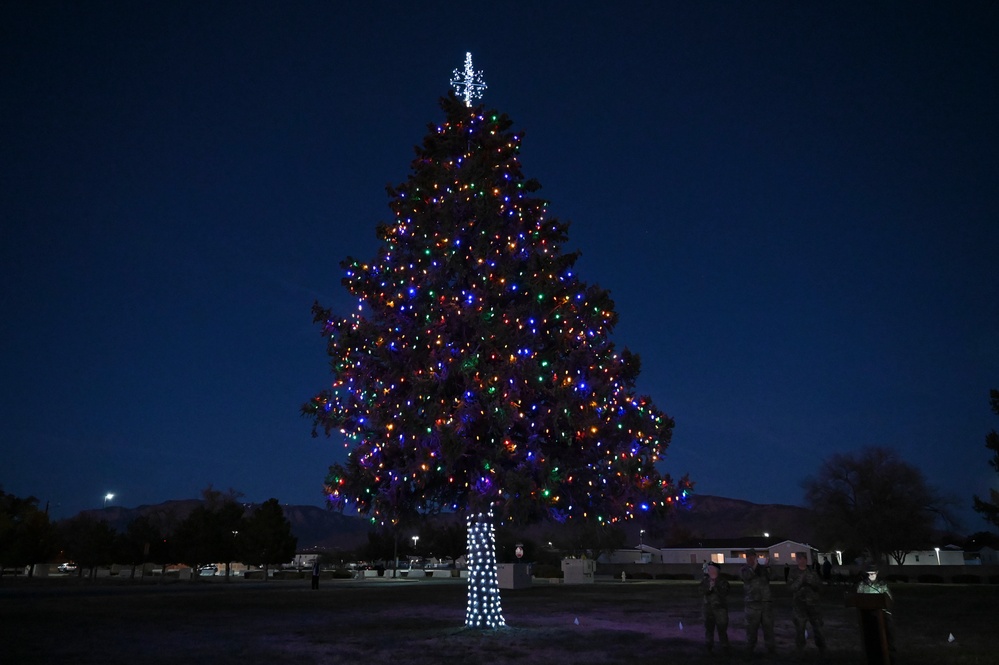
x,y
709,517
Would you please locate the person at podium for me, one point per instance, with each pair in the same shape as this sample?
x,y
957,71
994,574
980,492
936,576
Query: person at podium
x,y
869,583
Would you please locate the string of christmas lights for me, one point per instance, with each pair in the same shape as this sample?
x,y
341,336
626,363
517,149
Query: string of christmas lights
x,y
468,83
478,371
478,363
484,608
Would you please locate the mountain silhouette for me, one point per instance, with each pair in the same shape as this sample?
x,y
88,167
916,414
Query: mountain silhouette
x,y
708,517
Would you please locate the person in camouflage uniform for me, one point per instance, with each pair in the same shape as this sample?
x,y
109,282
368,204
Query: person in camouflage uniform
x,y
870,583
759,603
806,588
714,588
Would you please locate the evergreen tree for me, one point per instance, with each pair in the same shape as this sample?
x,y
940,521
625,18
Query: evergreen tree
x,y
143,542
210,533
990,509
26,535
266,537
478,374
382,545
88,541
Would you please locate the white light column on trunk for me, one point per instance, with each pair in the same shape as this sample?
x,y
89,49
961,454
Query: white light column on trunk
x,y
483,610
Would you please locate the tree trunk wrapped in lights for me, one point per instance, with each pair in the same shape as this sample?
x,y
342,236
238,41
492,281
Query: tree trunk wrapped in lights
x,y
477,373
484,609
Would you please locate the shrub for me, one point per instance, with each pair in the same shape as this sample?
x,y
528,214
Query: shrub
x,y
675,576
289,575
547,570
930,579
967,579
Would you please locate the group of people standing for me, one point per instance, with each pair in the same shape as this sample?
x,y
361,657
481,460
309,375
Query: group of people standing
x,y
805,585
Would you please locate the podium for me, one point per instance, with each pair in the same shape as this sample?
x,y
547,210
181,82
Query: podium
x,y
873,625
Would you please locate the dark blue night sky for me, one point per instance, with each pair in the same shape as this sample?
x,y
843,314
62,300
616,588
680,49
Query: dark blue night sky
x,y
794,205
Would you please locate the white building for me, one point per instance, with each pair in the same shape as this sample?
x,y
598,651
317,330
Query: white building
x,y
734,551
951,555
642,554
719,551
985,556
303,560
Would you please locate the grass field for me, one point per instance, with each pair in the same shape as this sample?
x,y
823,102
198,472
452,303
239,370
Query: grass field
x,y
419,622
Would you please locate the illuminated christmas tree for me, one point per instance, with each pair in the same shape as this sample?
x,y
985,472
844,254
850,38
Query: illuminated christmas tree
x,y
478,374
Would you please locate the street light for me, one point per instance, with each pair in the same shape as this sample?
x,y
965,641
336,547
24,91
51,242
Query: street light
x,y
641,538
937,549
107,497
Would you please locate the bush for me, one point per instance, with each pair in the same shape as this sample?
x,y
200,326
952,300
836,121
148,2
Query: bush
x,y
930,579
967,579
288,575
342,574
897,578
547,570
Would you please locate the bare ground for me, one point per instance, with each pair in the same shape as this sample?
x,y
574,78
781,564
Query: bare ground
x,y
420,623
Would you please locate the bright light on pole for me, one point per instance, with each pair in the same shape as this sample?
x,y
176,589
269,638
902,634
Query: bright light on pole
x,y
107,497
937,549
641,538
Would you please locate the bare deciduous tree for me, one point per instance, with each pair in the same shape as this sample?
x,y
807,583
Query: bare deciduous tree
x,y
876,502
990,509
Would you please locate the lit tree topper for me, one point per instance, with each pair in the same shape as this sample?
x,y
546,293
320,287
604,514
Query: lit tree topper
x,y
468,84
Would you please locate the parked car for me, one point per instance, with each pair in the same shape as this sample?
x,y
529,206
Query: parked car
x,y
208,571
68,567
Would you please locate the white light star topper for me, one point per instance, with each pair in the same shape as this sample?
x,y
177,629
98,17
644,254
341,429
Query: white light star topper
x,y
469,83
